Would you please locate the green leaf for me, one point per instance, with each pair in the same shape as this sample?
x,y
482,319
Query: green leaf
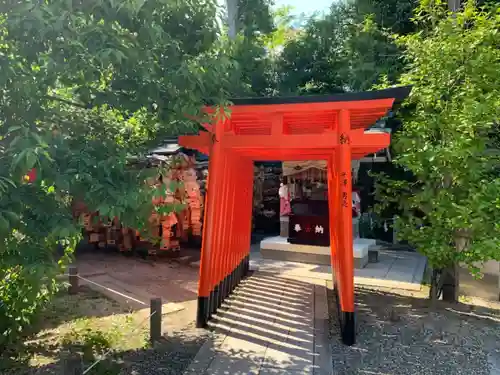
x,y
7,181
4,224
64,232
31,159
14,128
18,159
12,217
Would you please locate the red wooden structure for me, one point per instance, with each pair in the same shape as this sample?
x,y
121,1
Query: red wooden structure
x,y
328,128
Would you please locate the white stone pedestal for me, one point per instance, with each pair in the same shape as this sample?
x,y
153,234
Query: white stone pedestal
x,y
278,248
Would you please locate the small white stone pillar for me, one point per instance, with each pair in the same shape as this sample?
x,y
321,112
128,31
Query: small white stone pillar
x,y
355,228
284,224
355,164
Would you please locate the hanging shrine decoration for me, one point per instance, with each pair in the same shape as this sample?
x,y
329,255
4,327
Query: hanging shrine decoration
x,y
303,176
285,207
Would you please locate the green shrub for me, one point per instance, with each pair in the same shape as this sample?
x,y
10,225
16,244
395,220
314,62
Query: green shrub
x,y
23,295
27,284
91,343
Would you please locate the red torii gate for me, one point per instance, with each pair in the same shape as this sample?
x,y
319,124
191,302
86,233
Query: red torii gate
x,y
328,128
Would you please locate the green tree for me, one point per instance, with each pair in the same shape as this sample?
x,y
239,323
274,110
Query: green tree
x,y
393,15
313,62
255,17
450,209
84,86
348,49
255,26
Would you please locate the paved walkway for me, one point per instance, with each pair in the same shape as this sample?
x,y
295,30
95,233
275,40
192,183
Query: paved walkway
x,y
271,325
395,269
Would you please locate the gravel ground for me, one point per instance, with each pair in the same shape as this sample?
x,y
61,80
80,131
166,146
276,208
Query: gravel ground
x,y
403,335
170,357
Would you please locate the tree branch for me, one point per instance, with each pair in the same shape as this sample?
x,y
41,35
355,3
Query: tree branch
x,y
68,102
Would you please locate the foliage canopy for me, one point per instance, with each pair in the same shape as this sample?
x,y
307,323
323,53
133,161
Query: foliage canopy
x,y
84,86
450,209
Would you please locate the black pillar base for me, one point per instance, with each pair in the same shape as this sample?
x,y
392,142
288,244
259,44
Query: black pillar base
x,y
239,273
348,328
347,321
229,284
220,297
226,287
232,278
214,300
202,312
247,265
210,304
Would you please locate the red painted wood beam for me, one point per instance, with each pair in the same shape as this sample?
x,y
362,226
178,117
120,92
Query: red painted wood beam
x,y
309,141
308,107
371,139
199,142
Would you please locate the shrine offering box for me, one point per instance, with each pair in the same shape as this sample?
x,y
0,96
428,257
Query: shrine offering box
x,y
308,223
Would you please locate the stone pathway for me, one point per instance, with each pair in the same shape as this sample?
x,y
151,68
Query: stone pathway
x,y
271,325
395,269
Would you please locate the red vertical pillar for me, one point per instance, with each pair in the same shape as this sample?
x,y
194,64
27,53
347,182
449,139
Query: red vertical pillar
x,y
246,211
219,234
231,228
333,219
241,221
236,224
344,252
228,202
210,227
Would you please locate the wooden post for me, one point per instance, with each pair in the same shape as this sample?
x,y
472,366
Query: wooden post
x,y
155,320
73,280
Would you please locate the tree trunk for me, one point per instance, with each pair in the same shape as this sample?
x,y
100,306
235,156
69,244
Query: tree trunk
x,y
232,18
434,290
454,5
445,283
450,283
450,275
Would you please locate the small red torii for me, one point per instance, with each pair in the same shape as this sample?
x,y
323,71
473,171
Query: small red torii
x,y
331,128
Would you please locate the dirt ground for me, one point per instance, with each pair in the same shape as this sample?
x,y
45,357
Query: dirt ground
x,y
174,279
